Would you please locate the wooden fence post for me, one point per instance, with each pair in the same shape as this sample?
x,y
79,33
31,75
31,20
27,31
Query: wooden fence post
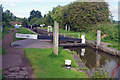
x,y
56,37
98,38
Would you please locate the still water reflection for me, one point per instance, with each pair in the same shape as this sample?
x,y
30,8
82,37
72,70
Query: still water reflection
x,y
95,59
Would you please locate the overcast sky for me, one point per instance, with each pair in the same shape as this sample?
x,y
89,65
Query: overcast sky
x,y
22,8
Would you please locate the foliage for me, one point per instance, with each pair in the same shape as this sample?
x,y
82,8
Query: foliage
x,y
36,21
7,16
46,65
24,22
85,69
48,19
100,73
39,21
5,31
112,31
35,14
73,52
81,15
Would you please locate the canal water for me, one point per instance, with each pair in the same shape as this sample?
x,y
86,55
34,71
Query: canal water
x,y
94,59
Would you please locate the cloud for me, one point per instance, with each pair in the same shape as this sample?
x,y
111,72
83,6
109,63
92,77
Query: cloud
x,y
12,4
114,11
10,1
52,0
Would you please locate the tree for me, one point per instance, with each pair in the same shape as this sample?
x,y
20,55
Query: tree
x,y
1,11
24,22
35,14
48,19
81,16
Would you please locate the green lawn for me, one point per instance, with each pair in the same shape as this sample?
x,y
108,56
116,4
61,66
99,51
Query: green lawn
x,y
24,31
47,65
115,44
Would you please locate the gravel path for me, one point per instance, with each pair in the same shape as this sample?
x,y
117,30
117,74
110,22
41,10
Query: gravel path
x,y
15,64
32,43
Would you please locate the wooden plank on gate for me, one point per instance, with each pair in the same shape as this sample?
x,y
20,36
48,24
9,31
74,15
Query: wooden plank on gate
x,y
29,36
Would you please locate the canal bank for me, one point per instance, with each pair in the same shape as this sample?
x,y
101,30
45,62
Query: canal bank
x,y
79,62
103,47
96,60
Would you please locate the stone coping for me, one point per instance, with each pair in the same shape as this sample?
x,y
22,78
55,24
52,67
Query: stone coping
x,y
104,47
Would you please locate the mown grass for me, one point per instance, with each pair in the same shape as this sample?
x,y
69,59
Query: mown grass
x,y
115,44
22,31
46,65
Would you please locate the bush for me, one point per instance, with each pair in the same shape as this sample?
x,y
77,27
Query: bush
x,y
112,31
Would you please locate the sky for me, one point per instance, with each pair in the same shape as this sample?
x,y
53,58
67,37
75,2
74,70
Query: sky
x,y
22,8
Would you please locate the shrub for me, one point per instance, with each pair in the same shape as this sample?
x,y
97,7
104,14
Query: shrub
x,y
112,31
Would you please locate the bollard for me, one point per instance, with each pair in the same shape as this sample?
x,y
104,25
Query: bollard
x,y
69,28
68,64
83,38
66,27
82,52
51,28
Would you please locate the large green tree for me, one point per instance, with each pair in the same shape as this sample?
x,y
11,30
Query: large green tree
x,y
25,22
48,19
81,16
35,14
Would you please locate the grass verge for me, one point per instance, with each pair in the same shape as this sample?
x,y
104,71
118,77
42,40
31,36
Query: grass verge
x,y
47,65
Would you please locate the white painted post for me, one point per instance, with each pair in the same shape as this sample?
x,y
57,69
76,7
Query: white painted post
x,y
78,35
83,38
56,37
66,27
82,52
69,28
98,38
48,28
51,28
68,64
